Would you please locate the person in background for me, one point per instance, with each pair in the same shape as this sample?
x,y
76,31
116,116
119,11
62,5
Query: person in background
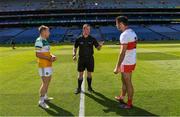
x,y
13,44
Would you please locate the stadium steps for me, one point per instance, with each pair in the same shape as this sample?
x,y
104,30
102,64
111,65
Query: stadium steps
x,y
19,34
28,36
144,33
178,30
177,34
10,38
166,37
177,27
165,30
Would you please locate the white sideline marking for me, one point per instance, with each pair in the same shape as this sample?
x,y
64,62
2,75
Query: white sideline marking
x,y
82,100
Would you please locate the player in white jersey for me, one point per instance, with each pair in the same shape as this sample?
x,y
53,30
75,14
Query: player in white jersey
x,y
126,61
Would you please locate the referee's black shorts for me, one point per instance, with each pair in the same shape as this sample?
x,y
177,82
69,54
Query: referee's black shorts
x,y
86,63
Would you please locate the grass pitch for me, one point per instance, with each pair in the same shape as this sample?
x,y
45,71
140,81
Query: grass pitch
x,y
156,82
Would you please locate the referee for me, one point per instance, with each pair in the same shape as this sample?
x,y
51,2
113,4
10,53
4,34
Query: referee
x,y
85,42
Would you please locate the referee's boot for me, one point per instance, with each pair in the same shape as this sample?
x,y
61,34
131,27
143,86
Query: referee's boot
x,y
78,90
90,89
89,80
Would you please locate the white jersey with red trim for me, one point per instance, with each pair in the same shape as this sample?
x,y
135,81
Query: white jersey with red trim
x,y
129,37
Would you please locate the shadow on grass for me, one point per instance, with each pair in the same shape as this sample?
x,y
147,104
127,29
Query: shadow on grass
x,y
113,106
55,110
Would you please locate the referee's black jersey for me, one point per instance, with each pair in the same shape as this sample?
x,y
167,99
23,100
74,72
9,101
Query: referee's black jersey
x,y
86,45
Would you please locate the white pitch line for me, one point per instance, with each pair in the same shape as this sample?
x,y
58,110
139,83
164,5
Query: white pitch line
x,y
82,100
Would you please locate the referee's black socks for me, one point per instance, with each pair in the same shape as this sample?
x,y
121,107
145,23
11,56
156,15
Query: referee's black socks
x,y
89,80
80,80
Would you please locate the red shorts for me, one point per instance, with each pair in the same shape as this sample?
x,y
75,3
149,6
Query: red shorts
x,y
126,68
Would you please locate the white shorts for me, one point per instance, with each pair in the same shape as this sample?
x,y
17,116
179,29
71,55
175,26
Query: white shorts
x,y
47,71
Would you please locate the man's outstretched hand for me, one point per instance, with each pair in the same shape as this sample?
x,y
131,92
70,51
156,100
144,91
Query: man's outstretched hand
x,y
101,43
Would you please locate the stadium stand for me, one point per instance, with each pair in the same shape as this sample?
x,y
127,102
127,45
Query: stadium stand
x,y
57,34
7,34
107,33
151,20
28,36
110,33
175,27
95,32
146,34
165,31
10,5
71,34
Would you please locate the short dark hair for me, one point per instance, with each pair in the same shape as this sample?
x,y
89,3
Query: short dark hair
x,y
122,19
42,28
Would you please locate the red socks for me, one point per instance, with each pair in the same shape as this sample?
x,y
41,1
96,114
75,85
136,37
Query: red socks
x,y
129,103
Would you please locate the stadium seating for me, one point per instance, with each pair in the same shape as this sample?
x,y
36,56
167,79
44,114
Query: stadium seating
x,y
9,5
165,31
57,34
107,33
71,34
95,32
175,27
8,34
146,34
28,36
